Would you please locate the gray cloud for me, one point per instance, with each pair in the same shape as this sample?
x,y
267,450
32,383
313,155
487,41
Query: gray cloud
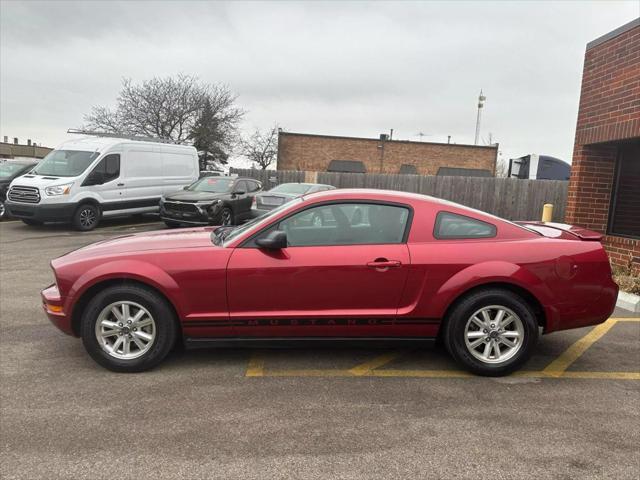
x,y
335,68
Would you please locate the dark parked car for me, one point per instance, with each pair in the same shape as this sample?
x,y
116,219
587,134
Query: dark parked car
x,y
210,201
10,169
283,193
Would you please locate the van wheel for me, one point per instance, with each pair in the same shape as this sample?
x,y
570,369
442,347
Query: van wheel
x,y
128,328
32,223
491,332
86,217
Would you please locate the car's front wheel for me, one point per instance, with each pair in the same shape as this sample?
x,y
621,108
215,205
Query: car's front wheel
x,y
86,217
491,332
128,328
226,216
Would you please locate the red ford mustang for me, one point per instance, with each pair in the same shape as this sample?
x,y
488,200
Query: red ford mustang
x,y
339,265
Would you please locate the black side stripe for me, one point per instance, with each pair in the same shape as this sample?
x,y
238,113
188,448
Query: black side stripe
x,y
281,322
126,204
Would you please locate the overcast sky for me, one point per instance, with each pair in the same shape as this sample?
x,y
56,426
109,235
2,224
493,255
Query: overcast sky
x,y
354,69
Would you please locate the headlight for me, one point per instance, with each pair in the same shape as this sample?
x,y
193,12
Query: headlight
x,y
58,190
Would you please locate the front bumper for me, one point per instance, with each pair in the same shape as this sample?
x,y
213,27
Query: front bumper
x,y
41,212
194,214
53,306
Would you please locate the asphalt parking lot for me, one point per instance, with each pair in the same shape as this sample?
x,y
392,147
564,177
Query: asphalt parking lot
x,y
573,412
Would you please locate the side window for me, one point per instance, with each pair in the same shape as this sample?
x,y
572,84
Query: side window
x,y
451,225
346,224
241,186
109,167
253,186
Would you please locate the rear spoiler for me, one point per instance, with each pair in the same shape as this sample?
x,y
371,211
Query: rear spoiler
x,y
581,233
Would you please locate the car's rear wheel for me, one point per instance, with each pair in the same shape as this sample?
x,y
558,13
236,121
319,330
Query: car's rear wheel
x,y
128,328
491,332
86,217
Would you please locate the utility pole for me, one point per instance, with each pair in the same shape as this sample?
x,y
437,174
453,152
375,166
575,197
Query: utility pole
x,y
481,99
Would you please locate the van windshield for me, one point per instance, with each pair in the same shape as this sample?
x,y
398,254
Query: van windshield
x,y
65,163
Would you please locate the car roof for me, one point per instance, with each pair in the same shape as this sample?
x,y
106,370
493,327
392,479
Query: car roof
x,y
391,196
305,183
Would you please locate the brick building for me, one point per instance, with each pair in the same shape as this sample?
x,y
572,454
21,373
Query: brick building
x,y
297,151
604,189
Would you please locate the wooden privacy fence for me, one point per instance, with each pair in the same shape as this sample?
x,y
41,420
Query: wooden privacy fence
x,y
508,198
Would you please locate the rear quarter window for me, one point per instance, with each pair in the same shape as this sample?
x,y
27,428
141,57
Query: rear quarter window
x,y
455,226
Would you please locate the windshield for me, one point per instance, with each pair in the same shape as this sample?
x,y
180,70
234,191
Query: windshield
x,y
229,233
7,169
211,185
296,188
65,163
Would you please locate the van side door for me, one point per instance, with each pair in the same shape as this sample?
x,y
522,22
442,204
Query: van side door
x,y
105,179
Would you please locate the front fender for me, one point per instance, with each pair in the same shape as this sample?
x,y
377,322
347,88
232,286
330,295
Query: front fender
x,y
487,273
145,272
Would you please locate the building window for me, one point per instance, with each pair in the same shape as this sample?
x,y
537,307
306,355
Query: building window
x,y
406,169
624,215
346,166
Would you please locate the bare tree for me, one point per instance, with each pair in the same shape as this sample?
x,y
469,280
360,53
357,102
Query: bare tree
x,y
170,108
261,148
502,167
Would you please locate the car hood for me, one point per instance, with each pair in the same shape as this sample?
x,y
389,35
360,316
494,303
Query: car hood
x,y
188,196
140,242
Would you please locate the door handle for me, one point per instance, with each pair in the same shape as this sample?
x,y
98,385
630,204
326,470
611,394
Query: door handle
x,y
121,184
384,263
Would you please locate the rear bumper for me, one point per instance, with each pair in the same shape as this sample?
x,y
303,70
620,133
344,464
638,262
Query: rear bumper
x,y
40,212
53,306
568,316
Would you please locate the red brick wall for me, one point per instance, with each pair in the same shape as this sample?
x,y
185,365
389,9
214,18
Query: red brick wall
x,y
609,112
315,152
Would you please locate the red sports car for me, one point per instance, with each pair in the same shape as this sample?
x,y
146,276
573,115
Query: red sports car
x,y
339,265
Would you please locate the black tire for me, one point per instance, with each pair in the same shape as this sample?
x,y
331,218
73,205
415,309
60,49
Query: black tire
x,y
31,223
86,217
456,323
163,316
225,214
171,224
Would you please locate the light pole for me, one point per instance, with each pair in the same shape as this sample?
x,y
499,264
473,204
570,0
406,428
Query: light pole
x,y
481,99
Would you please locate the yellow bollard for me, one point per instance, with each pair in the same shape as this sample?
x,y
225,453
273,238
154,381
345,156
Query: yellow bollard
x,y
547,212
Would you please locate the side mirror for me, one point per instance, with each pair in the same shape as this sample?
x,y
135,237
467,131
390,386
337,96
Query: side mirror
x,y
185,187
276,240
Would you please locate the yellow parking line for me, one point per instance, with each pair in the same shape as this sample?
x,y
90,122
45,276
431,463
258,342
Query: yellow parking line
x,y
255,368
372,364
571,354
371,368
603,375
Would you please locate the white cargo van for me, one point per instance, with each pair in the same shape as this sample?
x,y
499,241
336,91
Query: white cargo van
x,y
87,179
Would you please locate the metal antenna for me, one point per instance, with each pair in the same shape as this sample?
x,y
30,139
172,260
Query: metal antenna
x,y
120,135
481,99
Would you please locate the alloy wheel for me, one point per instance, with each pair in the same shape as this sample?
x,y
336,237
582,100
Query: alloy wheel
x,y
494,334
125,330
88,217
226,217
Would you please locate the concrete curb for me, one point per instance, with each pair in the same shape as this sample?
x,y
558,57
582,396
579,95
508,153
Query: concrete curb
x,y
628,301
